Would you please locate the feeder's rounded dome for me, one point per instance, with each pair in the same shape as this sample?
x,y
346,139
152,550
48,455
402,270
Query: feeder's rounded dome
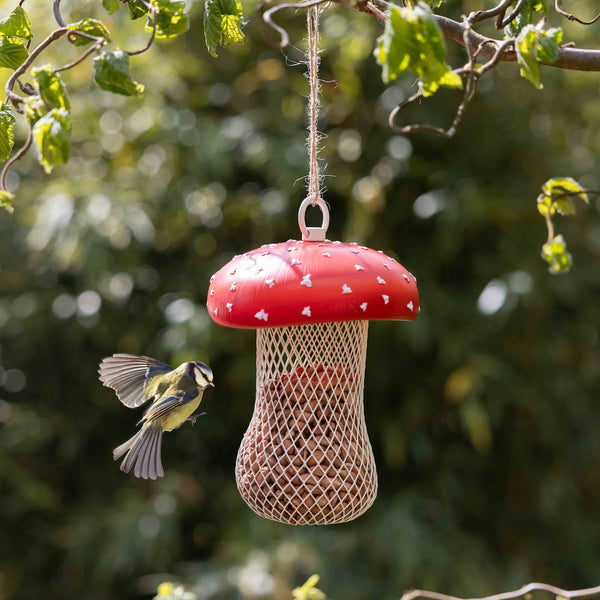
x,y
302,282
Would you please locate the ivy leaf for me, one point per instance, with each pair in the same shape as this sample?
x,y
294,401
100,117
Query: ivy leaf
x,y
51,87
560,193
17,24
7,200
7,140
413,40
136,9
91,27
12,53
52,136
556,255
171,18
111,73
222,24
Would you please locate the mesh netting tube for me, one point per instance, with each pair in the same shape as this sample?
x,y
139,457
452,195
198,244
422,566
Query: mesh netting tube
x,y
306,458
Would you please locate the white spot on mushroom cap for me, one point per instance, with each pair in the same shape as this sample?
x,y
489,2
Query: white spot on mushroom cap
x,y
410,306
294,262
229,306
232,288
327,254
405,276
216,311
306,311
359,268
387,266
212,277
386,298
262,315
212,292
306,281
265,253
270,282
355,251
363,306
346,289
380,280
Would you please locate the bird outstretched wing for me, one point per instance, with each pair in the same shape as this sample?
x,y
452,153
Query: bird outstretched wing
x,y
129,374
166,405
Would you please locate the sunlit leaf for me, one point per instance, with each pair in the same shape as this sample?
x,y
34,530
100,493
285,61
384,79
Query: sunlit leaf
x,y
7,120
17,24
52,136
136,9
309,591
561,192
412,40
51,87
556,255
7,200
35,109
111,6
13,53
549,44
111,73
91,27
171,18
526,46
222,24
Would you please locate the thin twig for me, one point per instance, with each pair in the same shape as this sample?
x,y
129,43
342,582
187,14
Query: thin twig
x,y
482,15
571,17
10,84
152,9
526,589
56,7
502,23
99,43
13,159
268,14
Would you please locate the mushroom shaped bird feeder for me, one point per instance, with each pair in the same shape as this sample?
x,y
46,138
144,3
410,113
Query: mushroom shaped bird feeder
x,y
306,458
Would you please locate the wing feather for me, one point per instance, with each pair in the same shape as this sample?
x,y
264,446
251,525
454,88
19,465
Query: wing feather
x,y
128,375
162,407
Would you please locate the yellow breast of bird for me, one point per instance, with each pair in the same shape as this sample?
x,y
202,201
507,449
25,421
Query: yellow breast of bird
x,y
177,416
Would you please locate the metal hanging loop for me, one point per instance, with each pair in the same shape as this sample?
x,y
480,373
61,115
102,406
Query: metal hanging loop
x,y
313,234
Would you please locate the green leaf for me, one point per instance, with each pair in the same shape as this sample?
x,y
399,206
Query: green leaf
x,y
35,109
52,136
7,140
91,27
111,73
7,200
556,255
17,24
51,87
559,193
136,9
549,44
222,24
413,40
111,6
171,18
526,46
12,53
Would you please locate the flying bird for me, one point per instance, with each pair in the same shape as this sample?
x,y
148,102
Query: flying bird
x,y
174,395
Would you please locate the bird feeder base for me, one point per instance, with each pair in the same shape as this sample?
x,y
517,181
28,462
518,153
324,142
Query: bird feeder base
x,y
306,458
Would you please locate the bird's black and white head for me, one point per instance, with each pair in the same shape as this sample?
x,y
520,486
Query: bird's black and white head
x,y
200,374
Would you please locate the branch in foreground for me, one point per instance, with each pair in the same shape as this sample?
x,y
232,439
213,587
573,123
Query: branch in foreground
x,y
520,593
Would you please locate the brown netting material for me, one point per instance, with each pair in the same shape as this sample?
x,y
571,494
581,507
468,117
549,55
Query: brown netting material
x,y
306,458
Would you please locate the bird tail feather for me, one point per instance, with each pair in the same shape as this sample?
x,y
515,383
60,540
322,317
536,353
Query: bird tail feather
x,y
142,451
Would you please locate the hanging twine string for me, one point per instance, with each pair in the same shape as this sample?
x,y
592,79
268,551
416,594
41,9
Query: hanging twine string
x,y
314,177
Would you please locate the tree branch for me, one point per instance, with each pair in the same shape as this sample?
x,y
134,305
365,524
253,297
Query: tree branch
x,y
572,59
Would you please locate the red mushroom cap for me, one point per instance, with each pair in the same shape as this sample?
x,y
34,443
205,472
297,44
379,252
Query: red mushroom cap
x,y
299,282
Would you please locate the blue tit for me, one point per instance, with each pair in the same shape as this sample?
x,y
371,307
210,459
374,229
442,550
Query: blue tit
x,y
175,394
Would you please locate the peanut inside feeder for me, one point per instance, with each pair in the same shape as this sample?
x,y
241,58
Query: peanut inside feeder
x,y
306,458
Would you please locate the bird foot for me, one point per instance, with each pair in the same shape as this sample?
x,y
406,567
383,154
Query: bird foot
x,y
194,418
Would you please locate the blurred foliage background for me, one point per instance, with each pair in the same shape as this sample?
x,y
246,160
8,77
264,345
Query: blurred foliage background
x,y
482,413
